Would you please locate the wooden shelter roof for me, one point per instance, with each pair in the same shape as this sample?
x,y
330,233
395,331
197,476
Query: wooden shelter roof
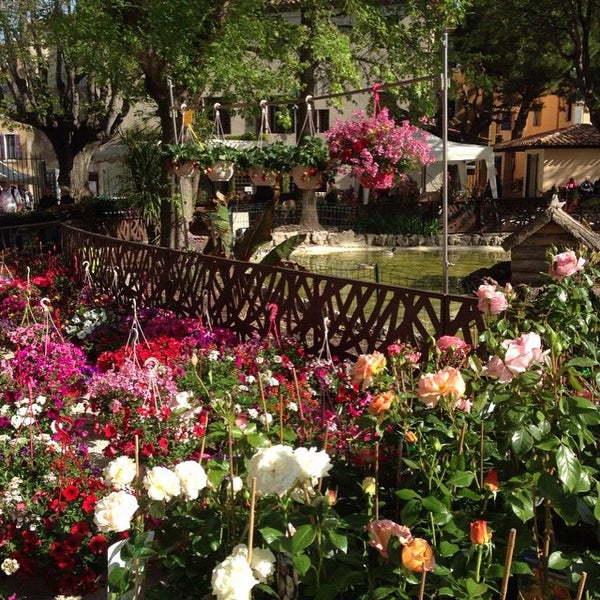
x,y
554,213
582,135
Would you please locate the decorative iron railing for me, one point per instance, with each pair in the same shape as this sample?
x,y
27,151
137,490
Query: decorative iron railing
x,y
348,317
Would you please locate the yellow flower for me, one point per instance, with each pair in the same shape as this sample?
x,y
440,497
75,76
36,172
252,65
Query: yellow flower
x,y
417,556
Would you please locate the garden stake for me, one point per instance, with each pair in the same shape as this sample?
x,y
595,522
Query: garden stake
x,y
280,418
251,519
581,585
300,408
422,587
508,562
202,446
376,499
262,398
231,477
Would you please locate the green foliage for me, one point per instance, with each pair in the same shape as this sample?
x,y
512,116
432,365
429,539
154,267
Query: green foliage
x,y
312,151
277,157
179,154
375,222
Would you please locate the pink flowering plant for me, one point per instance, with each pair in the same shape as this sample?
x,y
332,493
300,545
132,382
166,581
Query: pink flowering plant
x,y
251,468
377,148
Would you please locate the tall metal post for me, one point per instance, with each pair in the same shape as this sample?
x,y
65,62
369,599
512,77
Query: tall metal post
x,y
445,167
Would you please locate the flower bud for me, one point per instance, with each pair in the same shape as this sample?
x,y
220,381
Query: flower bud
x,y
480,533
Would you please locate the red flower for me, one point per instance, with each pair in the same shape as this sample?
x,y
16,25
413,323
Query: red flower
x,y
110,431
148,449
98,544
89,503
490,481
80,528
70,493
72,544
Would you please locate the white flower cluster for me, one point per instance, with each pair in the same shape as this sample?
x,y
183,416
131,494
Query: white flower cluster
x,y
279,468
24,411
9,566
115,511
234,578
81,326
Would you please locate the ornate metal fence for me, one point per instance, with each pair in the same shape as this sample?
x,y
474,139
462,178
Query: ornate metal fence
x,y
348,316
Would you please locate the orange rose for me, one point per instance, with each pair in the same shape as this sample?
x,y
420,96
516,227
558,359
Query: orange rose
x,y
366,366
480,533
381,403
447,382
417,556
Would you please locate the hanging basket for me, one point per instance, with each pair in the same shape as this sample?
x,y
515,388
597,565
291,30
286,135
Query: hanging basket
x,y
186,169
220,171
382,181
259,176
307,178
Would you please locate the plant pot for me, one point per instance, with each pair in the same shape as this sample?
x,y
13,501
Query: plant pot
x,y
186,169
307,178
259,176
381,181
220,171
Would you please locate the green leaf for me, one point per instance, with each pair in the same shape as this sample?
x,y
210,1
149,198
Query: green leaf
x,y
120,579
339,540
410,512
558,561
475,589
460,479
568,467
304,537
448,549
301,562
269,534
521,441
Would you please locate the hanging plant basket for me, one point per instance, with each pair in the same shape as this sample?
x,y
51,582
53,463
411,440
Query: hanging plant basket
x,y
185,169
260,176
382,181
307,178
220,171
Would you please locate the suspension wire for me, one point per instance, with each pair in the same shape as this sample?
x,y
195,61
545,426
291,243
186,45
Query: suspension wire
x,y
381,86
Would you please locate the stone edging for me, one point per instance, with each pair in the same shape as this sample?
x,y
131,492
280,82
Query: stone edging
x,y
349,239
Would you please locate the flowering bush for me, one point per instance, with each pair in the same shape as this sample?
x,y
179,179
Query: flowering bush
x,y
257,469
376,148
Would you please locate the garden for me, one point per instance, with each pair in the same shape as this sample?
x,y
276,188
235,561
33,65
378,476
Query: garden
x,y
166,458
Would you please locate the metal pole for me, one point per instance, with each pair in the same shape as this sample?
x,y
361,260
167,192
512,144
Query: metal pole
x,y
173,110
445,167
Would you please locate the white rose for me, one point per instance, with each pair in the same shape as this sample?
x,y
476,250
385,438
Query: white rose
x,y
192,478
262,564
232,579
115,511
162,484
275,469
237,484
120,472
312,464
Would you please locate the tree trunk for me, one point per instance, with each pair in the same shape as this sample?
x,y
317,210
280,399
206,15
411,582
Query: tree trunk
x,y
309,217
80,173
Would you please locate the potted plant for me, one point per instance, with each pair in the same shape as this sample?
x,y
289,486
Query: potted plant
x,y
218,160
311,158
184,159
376,148
266,163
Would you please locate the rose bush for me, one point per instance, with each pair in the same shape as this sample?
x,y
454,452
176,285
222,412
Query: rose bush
x,y
254,466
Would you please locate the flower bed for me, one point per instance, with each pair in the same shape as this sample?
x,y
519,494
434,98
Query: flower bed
x,y
243,469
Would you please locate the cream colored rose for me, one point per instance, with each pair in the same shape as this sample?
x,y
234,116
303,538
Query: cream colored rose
x,y
161,484
233,579
275,468
120,472
115,511
192,478
312,464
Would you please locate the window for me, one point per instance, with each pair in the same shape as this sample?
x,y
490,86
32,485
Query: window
x,y
322,120
11,146
506,123
569,109
536,119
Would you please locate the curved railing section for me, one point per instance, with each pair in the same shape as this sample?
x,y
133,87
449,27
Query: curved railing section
x,y
348,316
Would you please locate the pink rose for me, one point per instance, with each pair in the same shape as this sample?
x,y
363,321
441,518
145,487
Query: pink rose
x,y
447,382
518,357
381,531
566,263
491,300
451,343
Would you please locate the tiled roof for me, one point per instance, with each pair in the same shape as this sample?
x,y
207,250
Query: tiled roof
x,y
583,135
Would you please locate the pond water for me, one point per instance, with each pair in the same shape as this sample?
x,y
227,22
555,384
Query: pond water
x,y
418,268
